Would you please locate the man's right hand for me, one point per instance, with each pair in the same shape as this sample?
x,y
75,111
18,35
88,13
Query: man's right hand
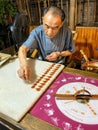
x,y
24,72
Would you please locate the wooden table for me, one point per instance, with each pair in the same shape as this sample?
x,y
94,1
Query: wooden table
x,y
32,123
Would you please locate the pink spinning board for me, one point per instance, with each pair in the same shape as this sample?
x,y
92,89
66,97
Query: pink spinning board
x,y
69,114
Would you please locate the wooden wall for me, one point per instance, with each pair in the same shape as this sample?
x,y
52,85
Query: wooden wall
x,y
86,38
78,12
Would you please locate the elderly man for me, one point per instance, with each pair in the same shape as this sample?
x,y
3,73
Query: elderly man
x,y
52,39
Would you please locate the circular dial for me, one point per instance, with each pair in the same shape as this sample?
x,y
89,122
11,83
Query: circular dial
x,y
86,113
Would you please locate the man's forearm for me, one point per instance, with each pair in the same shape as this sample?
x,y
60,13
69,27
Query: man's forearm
x,y
22,54
65,53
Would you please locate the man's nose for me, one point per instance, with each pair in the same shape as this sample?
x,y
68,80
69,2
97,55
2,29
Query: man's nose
x,y
50,31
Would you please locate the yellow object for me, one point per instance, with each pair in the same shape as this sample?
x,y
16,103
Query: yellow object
x,y
33,55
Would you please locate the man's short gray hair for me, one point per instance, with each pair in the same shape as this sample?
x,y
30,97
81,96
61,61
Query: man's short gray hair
x,y
55,11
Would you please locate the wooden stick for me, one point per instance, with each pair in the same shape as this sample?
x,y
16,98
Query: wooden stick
x,y
73,97
85,57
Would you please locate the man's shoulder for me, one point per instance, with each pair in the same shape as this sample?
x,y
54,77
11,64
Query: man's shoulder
x,y
66,28
39,28
38,31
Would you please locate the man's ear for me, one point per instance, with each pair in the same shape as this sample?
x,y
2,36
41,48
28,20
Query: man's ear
x,y
61,24
42,18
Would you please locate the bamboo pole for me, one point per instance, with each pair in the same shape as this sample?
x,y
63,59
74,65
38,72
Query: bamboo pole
x,y
79,15
75,12
88,13
28,10
39,11
48,2
45,3
72,14
61,4
94,10
67,12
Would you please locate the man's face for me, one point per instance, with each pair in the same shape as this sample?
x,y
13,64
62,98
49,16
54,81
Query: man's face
x,y
51,24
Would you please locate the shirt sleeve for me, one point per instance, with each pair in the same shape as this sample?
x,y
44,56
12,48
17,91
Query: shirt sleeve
x,y
69,42
72,45
31,41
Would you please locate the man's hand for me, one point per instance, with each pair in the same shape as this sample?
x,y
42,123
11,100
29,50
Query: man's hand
x,y
24,70
53,56
24,73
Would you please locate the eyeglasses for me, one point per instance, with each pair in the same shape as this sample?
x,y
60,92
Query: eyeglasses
x,y
53,28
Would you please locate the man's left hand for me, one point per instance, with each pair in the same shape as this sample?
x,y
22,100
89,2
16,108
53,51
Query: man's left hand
x,y
53,56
